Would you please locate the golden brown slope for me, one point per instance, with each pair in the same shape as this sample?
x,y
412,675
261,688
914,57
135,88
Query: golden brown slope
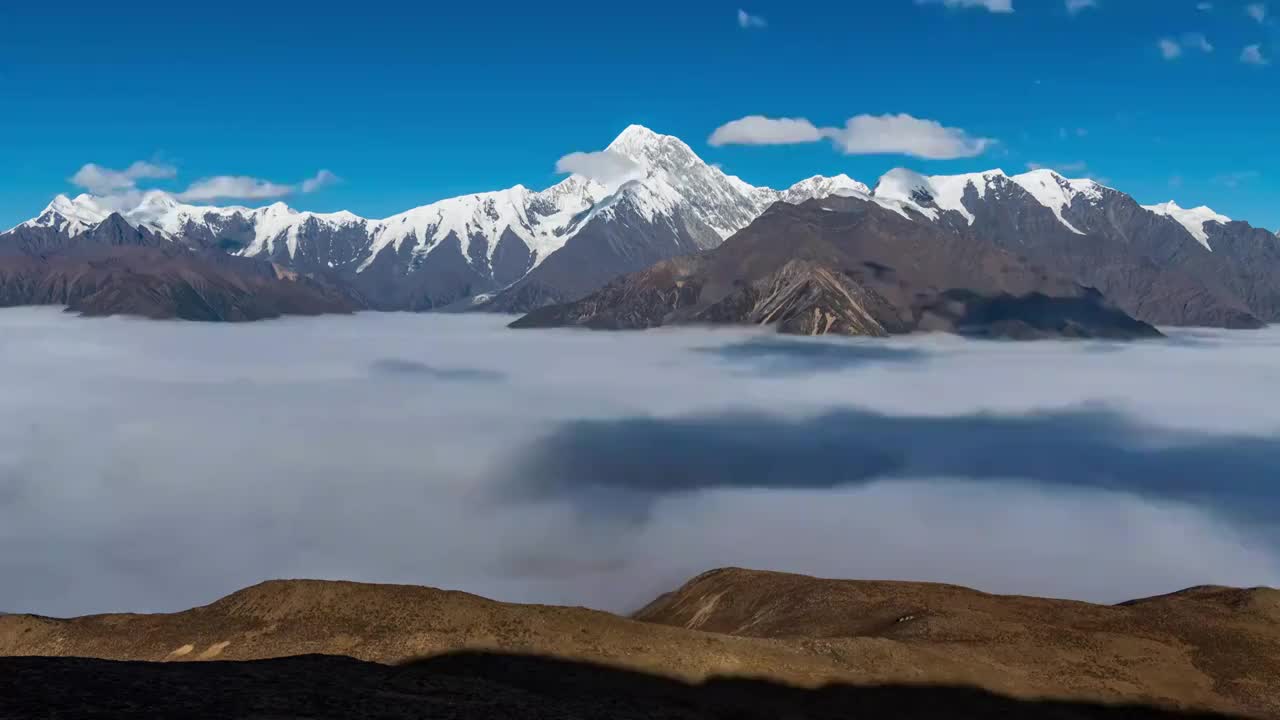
x,y
1203,645
1213,649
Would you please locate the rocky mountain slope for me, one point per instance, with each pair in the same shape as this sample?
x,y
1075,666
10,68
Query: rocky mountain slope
x,y
1204,648
114,268
1160,263
851,265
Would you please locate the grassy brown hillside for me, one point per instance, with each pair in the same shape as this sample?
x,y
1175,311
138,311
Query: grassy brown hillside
x,y
1207,648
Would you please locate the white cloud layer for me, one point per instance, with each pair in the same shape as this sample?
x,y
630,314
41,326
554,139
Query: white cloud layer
x,y
1075,7
861,135
396,448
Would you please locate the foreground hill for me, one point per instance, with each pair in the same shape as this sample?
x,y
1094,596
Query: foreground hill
x,y
1206,648
485,686
851,266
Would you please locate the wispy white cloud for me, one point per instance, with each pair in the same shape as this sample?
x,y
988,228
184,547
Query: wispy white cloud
x,y
861,135
748,21
605,167
1204,6
239,187
321,179
761,130
1252,55
1174,48
1257,11
119,188
995,6
99,180
907,135
1075,7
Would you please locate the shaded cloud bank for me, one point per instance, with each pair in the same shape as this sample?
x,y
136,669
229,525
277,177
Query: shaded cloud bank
x,y
156,466
1078,449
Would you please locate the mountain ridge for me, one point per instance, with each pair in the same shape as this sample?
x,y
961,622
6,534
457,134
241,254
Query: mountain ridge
x,y
517,249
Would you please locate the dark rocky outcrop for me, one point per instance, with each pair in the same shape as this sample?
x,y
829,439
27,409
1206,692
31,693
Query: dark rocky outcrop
x,y
117,269
850,266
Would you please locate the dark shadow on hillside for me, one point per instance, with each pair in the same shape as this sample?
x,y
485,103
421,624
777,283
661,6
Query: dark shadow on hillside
x,y
479,685
623,461
780,356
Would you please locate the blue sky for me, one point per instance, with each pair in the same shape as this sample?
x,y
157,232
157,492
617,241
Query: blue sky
x,y
409,103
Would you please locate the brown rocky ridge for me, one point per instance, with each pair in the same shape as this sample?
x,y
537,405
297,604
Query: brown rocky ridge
x,y
849,266
814,646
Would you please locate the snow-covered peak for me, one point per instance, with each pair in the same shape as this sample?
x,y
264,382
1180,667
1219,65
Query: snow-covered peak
x,y
820,187
1193,219
1057,192
930,196
654,151
71,215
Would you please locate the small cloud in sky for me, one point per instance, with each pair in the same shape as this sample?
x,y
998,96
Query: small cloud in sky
x,y
760,130
99,180
1174,48
322,179
1204,6
605,167
747,21
1075,7
1257,11
861,135
1252,55
240,187
995,6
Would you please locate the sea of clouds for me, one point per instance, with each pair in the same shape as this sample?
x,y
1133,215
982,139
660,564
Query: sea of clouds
x,y
153,466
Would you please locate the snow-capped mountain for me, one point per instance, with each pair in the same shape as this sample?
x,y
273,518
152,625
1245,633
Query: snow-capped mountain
x,y
460,247
517,249
1195,220
1162,264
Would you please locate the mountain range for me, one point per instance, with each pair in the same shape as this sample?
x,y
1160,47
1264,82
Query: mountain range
x,y
518,250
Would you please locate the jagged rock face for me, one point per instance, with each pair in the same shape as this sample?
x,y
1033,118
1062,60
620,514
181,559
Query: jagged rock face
x,y
804,298
852,267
